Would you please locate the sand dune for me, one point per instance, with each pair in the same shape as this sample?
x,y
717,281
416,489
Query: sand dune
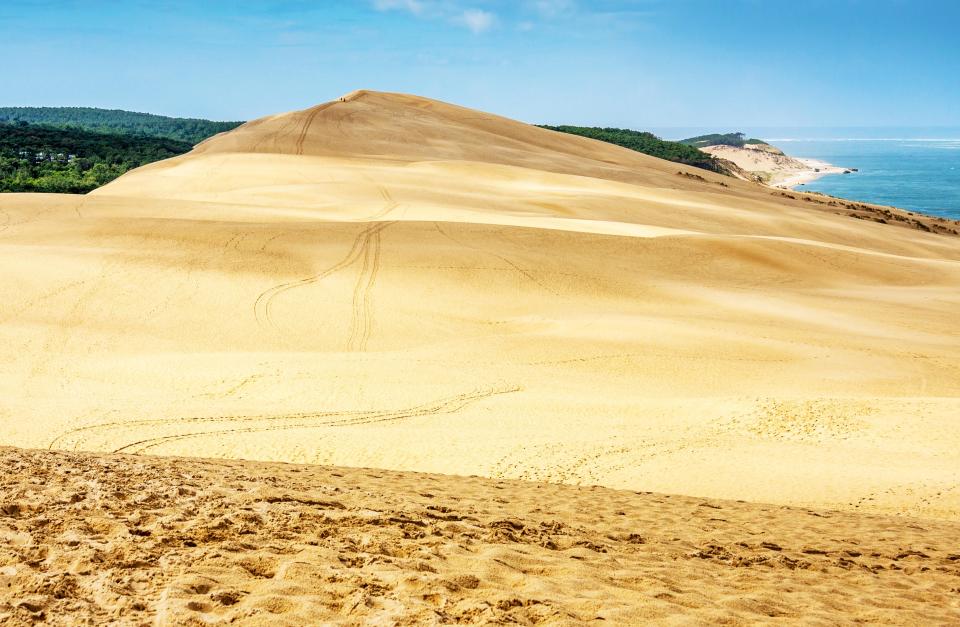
x,y
147,540
393,282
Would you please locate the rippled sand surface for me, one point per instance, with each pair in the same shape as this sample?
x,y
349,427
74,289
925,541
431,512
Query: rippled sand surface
x,y
167,541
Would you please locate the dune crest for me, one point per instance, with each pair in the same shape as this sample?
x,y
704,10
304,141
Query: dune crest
x,y
390,281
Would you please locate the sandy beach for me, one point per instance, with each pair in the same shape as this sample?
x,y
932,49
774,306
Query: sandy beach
x,y
772,166
815,169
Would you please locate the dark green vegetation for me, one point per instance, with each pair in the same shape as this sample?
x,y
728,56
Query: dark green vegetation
x,y
647,143
77,149
36,158
192,131
717,139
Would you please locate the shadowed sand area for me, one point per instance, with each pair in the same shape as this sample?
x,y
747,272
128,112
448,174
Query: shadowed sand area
x,y
393,282
166,541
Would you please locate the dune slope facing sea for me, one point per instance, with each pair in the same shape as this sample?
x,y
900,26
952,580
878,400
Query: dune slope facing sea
x,y
391,281
916,174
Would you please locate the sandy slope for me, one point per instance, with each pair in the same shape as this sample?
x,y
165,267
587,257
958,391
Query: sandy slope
x,y
160,541
393,282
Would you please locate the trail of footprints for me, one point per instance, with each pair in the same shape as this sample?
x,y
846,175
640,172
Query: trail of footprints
x,y
170,542
808,420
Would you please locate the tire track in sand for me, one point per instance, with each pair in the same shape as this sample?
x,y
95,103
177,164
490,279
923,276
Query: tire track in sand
x,y
520,270
263,305
73,438
308,122
389,204
447,405
361,322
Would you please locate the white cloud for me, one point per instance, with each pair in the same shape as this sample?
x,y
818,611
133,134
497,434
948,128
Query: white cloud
x,y
476,20
553,8
413,6
450,11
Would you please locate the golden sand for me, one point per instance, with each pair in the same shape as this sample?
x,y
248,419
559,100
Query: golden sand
x,y
98,539
393,282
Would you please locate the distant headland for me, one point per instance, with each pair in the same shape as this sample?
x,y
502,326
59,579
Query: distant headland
x,y
764,162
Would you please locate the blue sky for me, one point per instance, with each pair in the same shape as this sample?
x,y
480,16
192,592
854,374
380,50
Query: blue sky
x,y
637,64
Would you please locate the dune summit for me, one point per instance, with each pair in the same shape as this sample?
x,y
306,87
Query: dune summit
x,y
390,281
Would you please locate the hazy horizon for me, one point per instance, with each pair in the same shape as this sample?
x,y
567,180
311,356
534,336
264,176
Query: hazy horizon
x,y
670,132
786,133
823,133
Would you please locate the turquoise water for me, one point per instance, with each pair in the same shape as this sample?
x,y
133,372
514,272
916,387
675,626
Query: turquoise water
x,y
919,175
915,168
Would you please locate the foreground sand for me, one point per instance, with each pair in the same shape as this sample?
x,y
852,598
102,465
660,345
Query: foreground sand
x,y
388,281
88,539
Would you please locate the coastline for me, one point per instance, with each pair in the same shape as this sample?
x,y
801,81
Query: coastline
x,y
774,167
918,176
815,169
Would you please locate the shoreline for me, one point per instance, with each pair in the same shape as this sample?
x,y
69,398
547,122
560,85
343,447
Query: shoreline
x,y
816,169
773,167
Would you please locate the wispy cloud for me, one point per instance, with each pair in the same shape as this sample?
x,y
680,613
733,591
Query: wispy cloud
x,y
451,11
477,20
553,8
482,16
413,6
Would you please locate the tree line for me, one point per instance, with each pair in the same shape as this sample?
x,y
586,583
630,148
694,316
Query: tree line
x,y
190,130
738,140
36,158
647,143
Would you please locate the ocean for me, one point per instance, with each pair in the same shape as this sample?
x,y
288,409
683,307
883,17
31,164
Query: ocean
x,y
911,168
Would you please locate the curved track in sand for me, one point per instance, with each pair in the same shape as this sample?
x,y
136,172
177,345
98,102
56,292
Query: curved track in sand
x,y
74,438
360,248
